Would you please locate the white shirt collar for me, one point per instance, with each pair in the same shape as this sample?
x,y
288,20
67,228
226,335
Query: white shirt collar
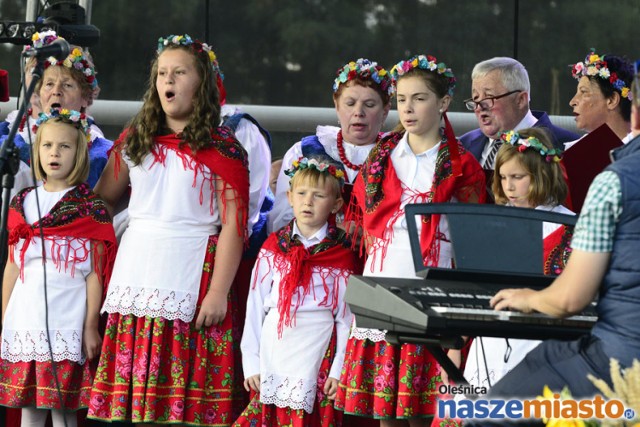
x,y
404,149
316,238
528,121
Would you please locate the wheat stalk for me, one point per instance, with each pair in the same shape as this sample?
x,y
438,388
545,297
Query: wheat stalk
x,y
626,387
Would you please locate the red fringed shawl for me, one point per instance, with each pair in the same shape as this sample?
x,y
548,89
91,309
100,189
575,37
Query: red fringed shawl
x,y
557,248
225,157
81,214
297,263
377,191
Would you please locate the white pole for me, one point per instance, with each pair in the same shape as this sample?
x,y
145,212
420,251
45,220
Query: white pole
x,y
86,4
32,10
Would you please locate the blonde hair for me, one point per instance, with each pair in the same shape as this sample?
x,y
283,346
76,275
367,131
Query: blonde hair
x,y
315,178
80,171
547,187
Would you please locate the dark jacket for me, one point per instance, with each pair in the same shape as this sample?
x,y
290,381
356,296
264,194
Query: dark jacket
x,y
474,141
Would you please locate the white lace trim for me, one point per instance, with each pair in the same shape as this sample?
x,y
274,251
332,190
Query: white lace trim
x,y
286,392
165,303
375,335
25,346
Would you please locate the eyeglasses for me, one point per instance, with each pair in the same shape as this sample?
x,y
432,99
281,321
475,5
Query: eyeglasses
x,y
487,103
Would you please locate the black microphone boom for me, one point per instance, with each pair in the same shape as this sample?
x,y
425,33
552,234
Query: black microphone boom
x,y
59,49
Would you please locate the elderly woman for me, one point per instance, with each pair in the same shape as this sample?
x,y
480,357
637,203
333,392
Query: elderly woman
x,y
602,97
69,84
361,95
603,94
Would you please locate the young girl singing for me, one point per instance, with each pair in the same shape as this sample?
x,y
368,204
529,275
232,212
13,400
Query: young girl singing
x,y
168,352
295,301
61,249
528,175
423,164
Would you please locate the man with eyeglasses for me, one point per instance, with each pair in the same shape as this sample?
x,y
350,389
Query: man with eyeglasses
x,y
603,262
500,100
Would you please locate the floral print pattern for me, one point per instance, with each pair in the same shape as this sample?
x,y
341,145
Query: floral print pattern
x,y
167,371
33,384
386,381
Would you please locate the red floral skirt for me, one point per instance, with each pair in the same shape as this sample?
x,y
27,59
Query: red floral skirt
x,y
323,414
167,371
385,381
33,384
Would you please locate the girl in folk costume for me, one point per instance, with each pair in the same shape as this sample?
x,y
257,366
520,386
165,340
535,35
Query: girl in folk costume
x,y
296,300
528,175
425,163
168,352
61,249
362,94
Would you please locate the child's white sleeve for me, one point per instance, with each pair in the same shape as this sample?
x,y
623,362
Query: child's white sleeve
x,y
343,319
261,281
282,212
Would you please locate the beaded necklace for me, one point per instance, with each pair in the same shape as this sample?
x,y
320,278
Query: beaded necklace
x,y
343,156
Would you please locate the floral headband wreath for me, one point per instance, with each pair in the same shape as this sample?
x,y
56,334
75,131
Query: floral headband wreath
x,y
325,167
427,63
364,69
549,154
76,60
595,65
72,117
195,45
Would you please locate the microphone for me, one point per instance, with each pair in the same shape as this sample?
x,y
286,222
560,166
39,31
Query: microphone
x,y
59,49
4,86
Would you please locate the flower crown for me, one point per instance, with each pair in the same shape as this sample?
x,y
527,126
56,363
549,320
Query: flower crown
x,y
76,59
549,154
73,117
195,45
321,166
428,63
364,69
595,65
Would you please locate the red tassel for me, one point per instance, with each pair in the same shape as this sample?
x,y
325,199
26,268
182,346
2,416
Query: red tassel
x,y
452,142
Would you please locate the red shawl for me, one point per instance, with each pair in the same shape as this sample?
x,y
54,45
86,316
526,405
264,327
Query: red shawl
x,y
557,248
298,262
224,157
377,190
78,214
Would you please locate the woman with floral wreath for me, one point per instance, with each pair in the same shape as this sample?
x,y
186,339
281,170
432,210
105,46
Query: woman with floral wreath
x,y
362,94
68,84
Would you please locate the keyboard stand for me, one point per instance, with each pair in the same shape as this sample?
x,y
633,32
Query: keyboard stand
x,y
435,347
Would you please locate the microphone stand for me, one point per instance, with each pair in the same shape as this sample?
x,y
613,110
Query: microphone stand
x,y
10,164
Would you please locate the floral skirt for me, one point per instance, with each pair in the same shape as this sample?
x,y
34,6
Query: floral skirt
x,y
32,384
387,381
323,415
167,371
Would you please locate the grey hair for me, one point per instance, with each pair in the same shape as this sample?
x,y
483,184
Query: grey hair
x,y
514,75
